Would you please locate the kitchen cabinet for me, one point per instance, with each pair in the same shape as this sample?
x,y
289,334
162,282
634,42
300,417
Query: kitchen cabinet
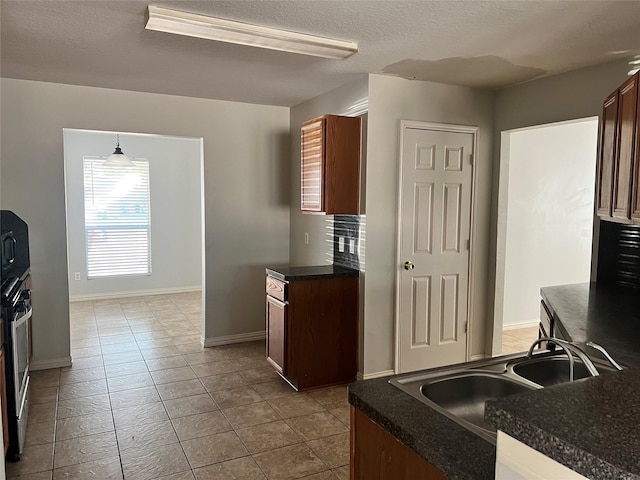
x,y
330,165
312,330
378,455
618,162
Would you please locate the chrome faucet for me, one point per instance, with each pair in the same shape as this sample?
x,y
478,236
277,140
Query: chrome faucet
x,y
570,349
606,355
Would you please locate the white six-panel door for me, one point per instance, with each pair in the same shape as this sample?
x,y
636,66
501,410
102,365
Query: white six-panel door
x,y
435,225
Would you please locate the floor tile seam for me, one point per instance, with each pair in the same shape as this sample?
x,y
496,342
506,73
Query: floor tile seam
x,y
113,420
254,425
300,439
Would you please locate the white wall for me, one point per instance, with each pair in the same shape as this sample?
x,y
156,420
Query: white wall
x,y
549,213
175,207
246,188
391,100
569,96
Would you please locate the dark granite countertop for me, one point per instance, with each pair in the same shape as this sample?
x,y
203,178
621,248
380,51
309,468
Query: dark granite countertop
x,y
605,314
590,425
452,449
287,273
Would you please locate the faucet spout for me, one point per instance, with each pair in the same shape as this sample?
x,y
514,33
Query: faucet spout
x,y
555,342
570,349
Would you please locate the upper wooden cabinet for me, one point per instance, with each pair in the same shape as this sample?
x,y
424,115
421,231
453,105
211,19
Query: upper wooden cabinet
x,y
330,165
618,159
606,157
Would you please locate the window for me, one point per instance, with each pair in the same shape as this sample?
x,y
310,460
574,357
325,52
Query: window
x,y
116,218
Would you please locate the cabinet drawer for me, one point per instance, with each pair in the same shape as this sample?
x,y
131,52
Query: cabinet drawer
x,y
276,289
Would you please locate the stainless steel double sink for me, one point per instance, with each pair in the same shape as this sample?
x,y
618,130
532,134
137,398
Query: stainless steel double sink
x,y
460,391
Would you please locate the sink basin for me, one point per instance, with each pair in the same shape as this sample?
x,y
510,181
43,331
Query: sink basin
x,y
460,391
551,370
464,395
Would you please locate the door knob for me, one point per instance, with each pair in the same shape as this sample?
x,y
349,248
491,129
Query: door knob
x,y
408,265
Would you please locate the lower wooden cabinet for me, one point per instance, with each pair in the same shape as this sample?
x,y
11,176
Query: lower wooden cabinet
x,y
276,334
312,330
378,455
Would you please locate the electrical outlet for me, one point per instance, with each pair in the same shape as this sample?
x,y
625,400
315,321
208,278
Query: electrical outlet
x,y
352,246
77,276
306,238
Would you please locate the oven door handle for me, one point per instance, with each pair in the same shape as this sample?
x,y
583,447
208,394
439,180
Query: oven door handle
x,y
23,318
25,395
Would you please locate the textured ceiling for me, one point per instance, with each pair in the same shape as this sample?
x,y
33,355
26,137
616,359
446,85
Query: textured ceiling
x,y
487,44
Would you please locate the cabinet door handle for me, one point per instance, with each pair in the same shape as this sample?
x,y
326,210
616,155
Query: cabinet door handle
x,y
276,301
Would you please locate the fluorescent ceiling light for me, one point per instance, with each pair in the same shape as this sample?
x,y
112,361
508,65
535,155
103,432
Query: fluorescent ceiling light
x,y
201,26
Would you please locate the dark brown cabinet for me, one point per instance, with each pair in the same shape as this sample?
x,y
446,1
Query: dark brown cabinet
x,y
378,455
312,330
607,153
618,163
330,165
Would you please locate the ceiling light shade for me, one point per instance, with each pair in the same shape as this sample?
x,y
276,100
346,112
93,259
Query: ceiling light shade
x,y
118,158
211,28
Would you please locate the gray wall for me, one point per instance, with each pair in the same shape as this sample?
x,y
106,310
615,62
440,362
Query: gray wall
x,y
577,94
335,102
391,100
175,207
246,188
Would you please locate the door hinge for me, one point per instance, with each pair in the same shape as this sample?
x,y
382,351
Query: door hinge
x,y
466,327
469,244
471,159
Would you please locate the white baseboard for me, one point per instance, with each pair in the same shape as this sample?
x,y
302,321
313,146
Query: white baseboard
x,y
526,324
478,356
52,363
137,293
229,339
368,376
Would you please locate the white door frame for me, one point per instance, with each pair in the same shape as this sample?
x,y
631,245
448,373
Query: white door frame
x,y
442,127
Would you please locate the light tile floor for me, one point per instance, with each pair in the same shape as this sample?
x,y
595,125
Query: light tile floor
x,y
143,400
519,340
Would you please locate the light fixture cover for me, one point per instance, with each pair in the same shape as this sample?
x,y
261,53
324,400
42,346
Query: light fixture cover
x,y
118,158
201,26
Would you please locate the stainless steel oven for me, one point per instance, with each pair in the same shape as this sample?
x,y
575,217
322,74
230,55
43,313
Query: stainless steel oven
x,y
20,334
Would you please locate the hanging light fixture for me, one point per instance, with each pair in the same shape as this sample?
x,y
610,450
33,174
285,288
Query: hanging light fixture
x,y
118,158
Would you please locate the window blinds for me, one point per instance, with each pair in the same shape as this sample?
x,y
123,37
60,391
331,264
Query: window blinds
x,y
117,219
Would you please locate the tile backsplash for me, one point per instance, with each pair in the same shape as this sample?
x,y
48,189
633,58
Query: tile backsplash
x,y
619,254
346,234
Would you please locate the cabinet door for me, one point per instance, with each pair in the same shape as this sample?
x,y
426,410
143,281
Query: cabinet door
x,y
277,334
3,399
635,200
312,166
623,174
378,455
608,137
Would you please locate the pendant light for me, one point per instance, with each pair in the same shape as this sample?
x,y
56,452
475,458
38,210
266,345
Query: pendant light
x,y
118,158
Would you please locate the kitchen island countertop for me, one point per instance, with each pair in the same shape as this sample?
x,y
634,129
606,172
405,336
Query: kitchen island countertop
x,y
604,314
589,425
